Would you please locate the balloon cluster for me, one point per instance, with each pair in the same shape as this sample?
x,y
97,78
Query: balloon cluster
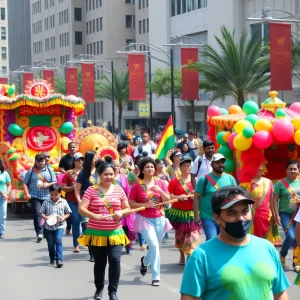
x,y
7,90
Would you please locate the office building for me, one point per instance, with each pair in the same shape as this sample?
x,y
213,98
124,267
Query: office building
x,y
4,58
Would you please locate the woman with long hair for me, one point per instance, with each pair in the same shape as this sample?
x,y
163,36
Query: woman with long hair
x,y
174,169
105,235
160,170
151,222
126,161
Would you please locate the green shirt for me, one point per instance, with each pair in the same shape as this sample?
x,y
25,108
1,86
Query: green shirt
x,y
4,179
208,190
285,196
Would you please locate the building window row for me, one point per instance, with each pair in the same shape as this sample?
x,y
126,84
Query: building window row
x,y
4,70
64,39
94,26
60,1
144,26
37,27
37,47
130,21
92,4
3,53
37,7
50,43
143,4
3,33
129,1
51,3
2,13
78,38
63,17
179,7
77,14
95,48
64,59
52,21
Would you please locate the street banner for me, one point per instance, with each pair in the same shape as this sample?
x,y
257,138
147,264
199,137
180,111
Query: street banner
x,y
144,109
27,79
3,80
190,78
137,81
72,81
48,75
281,56
88,82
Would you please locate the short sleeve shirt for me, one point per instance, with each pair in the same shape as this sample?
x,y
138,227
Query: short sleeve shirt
x,y
69,179
205,167
4,179
84,180
66,162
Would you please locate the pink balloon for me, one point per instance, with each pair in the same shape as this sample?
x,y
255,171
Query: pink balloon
x,y
213,111
283,130
295,107
262,139
230,141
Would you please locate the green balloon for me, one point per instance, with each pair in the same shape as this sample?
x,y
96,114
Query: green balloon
x,y
229,165
66,128
226,151
219,138
252,119
280,113
250,107
15,129
224,111
11,90
248,132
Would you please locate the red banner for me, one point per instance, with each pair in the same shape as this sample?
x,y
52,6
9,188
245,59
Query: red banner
x,y
72,81
88,82
137,82
190,78
3,80
48,75
281,56
27,79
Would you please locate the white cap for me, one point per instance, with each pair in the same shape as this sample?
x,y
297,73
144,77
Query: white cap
x,y
217,156
78,155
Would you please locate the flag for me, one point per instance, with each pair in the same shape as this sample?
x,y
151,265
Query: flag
x,y
167,140
72,81
137,81
88,82
27,79
144,109
48,75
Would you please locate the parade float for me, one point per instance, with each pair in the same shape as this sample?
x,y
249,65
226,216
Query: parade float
x,y
41,120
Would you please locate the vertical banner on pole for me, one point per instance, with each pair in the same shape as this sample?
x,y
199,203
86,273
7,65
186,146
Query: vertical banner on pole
x,y
27,79
3,80
72,81
88,82
137,83
281,56
48,75
190,78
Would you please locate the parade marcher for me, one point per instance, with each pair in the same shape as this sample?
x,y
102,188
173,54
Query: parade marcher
x,y
160,170
284,204
174,169
55,211
105,235
36,185
5,187
126,161
206,186
151,222
132,175
202,164
145,146
193,144
181,215
68,186
66,162
184,141
234,264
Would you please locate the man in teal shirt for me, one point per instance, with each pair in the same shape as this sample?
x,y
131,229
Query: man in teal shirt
x,y
234,265
206,186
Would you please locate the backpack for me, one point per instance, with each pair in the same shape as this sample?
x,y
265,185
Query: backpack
x,y
140,148
200,160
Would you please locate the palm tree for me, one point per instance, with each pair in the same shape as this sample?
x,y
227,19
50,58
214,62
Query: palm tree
x,y
121,91
235,68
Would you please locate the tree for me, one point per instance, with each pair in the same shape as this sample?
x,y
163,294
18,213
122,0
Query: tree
x,y
235,68
121,91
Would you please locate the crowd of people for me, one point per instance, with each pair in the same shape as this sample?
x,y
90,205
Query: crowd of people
x,y
108,204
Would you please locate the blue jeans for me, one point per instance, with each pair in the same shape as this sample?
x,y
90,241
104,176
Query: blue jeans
x,y
290,239
75,221
55,246
141,239
153,235
210,228
3,213
36,205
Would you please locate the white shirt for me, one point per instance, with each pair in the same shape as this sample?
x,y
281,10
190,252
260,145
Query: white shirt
x,y
148,147
205,167
297,218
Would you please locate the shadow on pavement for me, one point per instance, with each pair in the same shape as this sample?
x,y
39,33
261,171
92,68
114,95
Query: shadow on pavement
x,y
17,240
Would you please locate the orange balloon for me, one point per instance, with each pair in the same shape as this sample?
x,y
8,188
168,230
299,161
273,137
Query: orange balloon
x,y
263,124
235,109
226,136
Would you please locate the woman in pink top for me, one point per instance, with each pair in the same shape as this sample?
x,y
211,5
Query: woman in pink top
x,y
105,236
151,222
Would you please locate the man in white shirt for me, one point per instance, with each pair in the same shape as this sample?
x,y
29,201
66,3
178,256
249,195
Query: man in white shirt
x,y
202,164
193,144
145,146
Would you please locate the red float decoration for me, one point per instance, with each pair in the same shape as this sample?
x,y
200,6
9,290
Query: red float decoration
x,y
41,138
39,90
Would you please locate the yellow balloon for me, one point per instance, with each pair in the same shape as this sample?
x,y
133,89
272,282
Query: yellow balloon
x,y
296,123
297,137
241,143
263,124
240,125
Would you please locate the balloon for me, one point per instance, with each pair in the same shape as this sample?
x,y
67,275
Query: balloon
x,y
295,107
226,151
230,141
219,138
280,113
283,130
15,129
66,128
213,111
248,132
226,136
235,109
262,139
224,111
297,137
296,123
240,125
252,119
250,107
241,143
229,165
263,124
11,90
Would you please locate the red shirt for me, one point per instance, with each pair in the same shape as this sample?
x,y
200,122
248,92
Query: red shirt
x,y
140,196
69,180
176,188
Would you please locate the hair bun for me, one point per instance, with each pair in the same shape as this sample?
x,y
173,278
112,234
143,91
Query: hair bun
x,y
108,159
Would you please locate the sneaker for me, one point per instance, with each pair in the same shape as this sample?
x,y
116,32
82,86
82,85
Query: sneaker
x,y
143,268
1,236
282,260
113,297
98,294
52,262
39,238
59,264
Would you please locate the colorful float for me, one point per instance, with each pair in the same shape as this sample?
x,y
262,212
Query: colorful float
x,y
41,120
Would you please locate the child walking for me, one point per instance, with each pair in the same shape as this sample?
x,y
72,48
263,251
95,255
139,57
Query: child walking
x,y
55,211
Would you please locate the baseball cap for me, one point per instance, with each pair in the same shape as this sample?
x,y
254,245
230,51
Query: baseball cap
x,y
185,135
185,159
218,204
78,155
217,157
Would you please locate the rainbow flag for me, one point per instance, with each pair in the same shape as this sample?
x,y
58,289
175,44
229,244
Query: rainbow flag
x,y
167,140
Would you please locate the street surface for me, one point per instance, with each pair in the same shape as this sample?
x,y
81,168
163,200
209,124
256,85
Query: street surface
x,y
27,275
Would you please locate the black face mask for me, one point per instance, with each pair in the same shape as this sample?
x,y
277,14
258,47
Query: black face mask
x,y
238,229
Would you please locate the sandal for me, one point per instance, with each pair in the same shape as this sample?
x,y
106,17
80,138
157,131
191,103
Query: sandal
x,y
155,282
143,268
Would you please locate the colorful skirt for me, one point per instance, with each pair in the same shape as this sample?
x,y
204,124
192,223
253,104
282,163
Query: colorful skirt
x,y
99,238
187,242
141,224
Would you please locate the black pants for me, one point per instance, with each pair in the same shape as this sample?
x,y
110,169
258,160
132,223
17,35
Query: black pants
x,y
113,253
36,205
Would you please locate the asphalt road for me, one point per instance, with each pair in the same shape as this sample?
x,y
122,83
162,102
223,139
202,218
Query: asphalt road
x,y
25,272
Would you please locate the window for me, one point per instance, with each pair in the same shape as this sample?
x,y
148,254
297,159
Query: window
x,y
87,27
140,4
261,32
90,23
94,47
97,3
140,27
90,5
129,42
184,6
130,20
101,23
86,5
147,4
144,26
130,107
77,14
129,1
45,4
87,49
101,47
91,48
173,8
143,3
94,26
78,38
3,33
147,25
2,13
93,4
4,70
178,7
98,48
3,53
